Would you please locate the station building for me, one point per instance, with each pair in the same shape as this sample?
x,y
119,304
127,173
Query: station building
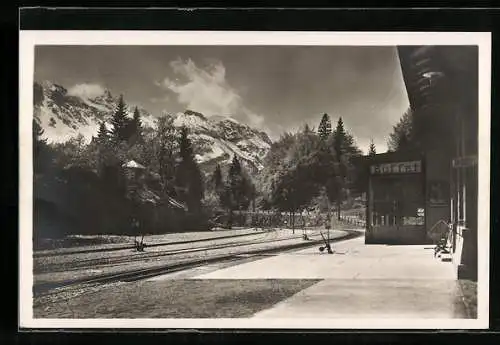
x,y
412,194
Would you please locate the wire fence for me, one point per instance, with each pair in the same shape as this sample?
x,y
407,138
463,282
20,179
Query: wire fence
x,y
274,219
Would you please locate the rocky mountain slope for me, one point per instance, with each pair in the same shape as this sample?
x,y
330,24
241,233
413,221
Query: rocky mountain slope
x,y
216,139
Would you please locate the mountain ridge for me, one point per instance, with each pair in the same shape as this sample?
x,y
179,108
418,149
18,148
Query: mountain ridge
x,y
216,139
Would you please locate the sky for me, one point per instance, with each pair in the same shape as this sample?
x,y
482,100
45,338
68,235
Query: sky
x,y
273,88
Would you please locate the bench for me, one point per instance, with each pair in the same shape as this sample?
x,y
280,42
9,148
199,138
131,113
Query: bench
x,y
443,245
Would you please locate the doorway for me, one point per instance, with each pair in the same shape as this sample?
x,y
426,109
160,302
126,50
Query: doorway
x,y
396,208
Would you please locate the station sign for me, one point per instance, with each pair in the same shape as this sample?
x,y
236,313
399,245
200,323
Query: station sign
x,y
396,168
464,162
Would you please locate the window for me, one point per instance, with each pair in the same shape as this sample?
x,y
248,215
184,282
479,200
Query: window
x,y
397,200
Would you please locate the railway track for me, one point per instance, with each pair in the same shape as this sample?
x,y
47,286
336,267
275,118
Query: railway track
x,y
139,256
49,288
131,246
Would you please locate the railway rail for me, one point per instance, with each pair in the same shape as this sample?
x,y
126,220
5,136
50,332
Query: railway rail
x,y
49,288
139,256
47,253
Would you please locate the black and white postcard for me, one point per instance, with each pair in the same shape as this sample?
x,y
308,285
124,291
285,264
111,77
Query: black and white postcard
x,y
312,180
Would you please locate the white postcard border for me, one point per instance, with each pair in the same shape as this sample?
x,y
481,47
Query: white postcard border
x,y
29,39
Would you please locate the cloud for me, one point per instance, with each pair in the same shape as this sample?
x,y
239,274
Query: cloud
x,y
206,90
86,90
165,99
254,119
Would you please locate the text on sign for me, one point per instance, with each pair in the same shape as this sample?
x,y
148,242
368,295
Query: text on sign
x,y
397,168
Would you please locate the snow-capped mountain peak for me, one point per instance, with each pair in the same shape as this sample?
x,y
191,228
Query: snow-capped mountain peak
x,y
192,120
216,139
64,115
219,118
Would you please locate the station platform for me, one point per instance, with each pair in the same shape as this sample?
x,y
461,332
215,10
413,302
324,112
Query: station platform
x,y
357,281
356,286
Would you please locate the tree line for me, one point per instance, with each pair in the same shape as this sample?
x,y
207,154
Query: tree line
x,y
405,134
233,193
84,188
309,167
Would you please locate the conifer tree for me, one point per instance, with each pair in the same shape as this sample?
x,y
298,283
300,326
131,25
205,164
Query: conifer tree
x,y
218,185
164,151
119,121
102,142
137,118
235,168
217,178
189,180
185,147
102,133
340,142
238,191
325,127
339,139
404,135
136,126
235,182
372,150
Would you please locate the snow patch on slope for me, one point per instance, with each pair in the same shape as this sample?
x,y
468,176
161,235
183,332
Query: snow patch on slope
x,y
64,115
215,139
